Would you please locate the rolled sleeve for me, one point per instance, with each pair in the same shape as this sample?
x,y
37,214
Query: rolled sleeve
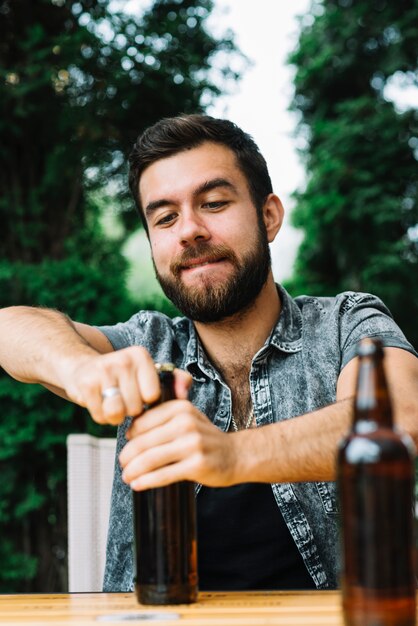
x,y
365,315
118,335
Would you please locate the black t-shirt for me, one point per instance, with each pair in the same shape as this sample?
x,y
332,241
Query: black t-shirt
x,y
244,543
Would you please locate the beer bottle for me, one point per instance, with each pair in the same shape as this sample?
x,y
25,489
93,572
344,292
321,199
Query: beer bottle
x,y
165,533
376,488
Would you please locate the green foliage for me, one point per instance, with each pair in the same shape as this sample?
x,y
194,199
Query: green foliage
x,y
77,84
35,424
360,205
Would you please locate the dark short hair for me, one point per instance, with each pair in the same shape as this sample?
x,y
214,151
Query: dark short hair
x,y
172,135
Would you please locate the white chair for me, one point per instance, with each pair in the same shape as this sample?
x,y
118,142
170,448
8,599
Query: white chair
x,y
90,467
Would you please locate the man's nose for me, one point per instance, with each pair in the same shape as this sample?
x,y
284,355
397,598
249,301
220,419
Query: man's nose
x,y
192,228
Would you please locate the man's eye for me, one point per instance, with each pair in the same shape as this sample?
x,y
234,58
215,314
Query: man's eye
x,y
166,219
214,205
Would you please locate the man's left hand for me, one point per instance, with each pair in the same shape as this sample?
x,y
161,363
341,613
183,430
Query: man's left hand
x,y
174,441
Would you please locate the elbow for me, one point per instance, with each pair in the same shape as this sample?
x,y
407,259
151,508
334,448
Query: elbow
x,y
408,422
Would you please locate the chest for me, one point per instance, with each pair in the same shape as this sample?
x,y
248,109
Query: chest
x,y
238,380
278,387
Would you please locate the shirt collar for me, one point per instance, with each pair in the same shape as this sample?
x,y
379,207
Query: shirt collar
x,y
195,359
286,336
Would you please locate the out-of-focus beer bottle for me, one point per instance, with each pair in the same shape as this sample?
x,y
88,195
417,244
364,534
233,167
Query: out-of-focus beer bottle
x,y
376,486
165,533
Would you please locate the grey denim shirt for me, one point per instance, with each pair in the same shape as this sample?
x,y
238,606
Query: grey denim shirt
x,y
295,372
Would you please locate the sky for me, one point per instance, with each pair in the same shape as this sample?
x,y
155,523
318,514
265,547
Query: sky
x,y
261,99
258,103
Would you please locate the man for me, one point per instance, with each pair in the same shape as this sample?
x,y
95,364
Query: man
x,y
249,357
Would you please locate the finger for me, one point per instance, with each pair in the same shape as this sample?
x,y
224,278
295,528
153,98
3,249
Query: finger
x,y
92,394
158,436
182,383
164,476
151,460
113,408
159,415
128,385
147,376
85,390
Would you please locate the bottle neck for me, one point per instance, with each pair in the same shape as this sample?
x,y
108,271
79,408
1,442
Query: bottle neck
x,y
167,386
372,402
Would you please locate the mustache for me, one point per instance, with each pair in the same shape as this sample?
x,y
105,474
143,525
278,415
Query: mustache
x,y
211,253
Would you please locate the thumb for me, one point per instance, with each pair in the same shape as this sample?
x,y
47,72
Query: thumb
x,y
182,383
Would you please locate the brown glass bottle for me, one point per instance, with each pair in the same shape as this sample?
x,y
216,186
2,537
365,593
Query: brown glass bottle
x,y
165,533
376,486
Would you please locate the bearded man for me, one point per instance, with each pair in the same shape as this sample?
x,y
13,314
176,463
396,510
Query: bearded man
x,y
264,381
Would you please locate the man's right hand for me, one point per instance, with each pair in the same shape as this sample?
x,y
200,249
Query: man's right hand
x,y
130,374
78,362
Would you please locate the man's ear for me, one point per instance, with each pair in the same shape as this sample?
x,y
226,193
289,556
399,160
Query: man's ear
x,y
273,214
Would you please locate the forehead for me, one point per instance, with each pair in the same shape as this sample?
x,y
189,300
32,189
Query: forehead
x,y
183,172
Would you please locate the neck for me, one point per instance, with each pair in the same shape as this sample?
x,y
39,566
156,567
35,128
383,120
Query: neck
x,y
235,340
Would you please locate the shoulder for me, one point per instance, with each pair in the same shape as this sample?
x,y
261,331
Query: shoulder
x,y
340,305
144,327
348,317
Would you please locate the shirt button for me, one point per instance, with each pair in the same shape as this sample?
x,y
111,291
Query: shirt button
x,y
222,413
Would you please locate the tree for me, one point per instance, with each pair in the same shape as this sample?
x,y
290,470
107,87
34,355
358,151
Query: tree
x,y
77,84
360,207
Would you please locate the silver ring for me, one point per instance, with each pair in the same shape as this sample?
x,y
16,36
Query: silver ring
x,y
110,392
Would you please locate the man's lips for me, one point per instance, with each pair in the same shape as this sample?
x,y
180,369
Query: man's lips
x,y
201,257
195,263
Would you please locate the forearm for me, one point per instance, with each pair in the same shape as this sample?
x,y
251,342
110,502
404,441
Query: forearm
x,y
78,362
300,449
304,448
37,345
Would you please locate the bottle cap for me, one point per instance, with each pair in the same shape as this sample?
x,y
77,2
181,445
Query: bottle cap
x,y
165,367
369,346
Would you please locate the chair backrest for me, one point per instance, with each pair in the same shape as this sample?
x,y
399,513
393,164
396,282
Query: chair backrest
x,y
90,468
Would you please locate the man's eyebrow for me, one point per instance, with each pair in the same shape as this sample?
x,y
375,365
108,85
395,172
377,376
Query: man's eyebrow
x,y
214,183
153,206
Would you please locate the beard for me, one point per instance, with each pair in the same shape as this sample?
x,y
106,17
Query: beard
x,y
208,303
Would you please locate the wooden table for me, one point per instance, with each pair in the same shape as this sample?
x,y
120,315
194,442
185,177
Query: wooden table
x,y
273,608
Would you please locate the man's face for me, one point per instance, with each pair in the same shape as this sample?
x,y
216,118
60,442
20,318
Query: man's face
x,y
209,247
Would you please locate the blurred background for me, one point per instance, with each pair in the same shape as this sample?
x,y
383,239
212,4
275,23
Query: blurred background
x,y
328,89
